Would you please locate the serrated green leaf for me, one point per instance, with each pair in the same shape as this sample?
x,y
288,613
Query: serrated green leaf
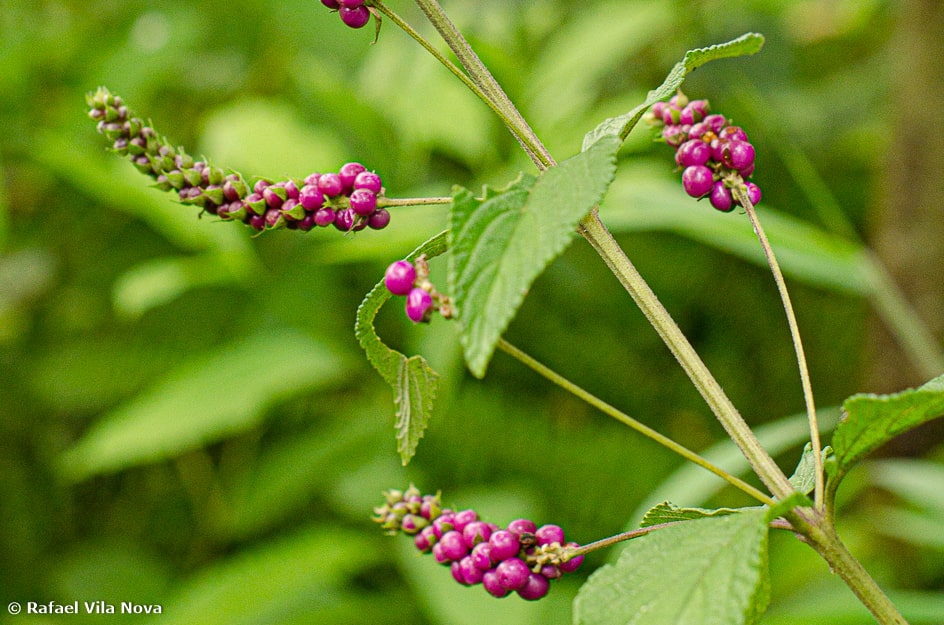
x,y
668,512
205,400
412,379
621,126
871,420
502,242
710,571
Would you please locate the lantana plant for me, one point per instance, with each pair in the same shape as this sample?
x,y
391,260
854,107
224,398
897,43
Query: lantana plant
x,y
683,564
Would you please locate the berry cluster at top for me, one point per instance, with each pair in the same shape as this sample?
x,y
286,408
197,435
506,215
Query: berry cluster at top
x,y
353,12
422,298
521,557
714,155
348,199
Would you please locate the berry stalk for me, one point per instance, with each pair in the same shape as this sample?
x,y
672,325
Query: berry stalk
x,y
741,195
625,419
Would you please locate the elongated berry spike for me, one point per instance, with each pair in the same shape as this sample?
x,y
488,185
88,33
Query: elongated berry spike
x,y
520,558
295,204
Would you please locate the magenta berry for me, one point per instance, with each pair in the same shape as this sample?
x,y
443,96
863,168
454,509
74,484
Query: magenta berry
x,y
520,527
753,193
504,544
513,573
475,533
311,197
482,556
574,563
453,546
549,534
399,277
349,171
418,304
379,219
368,180
535,587
692,152
492,584
738,154
351,4
363,202
330,184
697,180
331,4
356,17
721,197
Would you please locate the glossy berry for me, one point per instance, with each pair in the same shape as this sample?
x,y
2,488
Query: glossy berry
x,y
492,585
548,534
356,17
692,152
349,171
351,4
379,219
330,184
753,193
331,4
311,197
418,304
368,180
738,154
573,564
399,277
363,202
504,544
535,587
520,527
721,197
697,180
453,546
513,573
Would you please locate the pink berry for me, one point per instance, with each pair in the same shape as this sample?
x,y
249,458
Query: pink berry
x,y
418,304
330,184
697,180
331,4
311,197
504,545
363,202
753,193
348,171
379,219
399,277
513,573
368,180
492,585
721,197
738,154
548,534
520,527
453,547
574,563
692,152
535,587
356,17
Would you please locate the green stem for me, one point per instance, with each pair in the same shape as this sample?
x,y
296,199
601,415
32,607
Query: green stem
x,y
823,538
625,419
763,465
483,78
740,193
387,202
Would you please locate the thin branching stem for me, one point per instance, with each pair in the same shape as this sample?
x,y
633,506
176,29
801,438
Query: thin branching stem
x,y
740,193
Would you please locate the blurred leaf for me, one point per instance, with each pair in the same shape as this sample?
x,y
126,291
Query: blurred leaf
x,y
568,75
640,199
871,420
502,242
251,136
914,528
412,379
160,280
204,400
919,482
297,578
708,571
621,126
833,604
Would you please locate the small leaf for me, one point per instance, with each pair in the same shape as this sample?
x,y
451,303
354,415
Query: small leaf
x,y
710,571
412,379
667,512
804,477
502,242
872,420
621,126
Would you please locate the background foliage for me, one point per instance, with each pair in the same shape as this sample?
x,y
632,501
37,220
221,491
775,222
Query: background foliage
x,y
186,417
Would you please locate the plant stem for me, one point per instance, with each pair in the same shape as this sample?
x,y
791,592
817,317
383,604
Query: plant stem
x,y
740,193
386,202
483,78
625,419
763,465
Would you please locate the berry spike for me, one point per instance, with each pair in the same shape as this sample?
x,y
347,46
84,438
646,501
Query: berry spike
x,y
351,199
521,558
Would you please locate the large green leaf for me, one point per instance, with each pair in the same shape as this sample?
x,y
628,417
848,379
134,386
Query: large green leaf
x,y
412,379
871,420
205,400
621,126
500,243
708,571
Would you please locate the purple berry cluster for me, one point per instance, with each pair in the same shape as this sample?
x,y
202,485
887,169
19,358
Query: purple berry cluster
x,y
354,13
714,156
521,557
412,280
348,199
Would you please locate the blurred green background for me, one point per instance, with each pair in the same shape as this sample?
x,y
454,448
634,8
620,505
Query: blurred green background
x,y
187,420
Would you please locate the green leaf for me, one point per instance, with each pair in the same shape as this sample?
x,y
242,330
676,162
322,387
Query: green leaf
x,y
205,400
621,126
871,420
804,477
412,379
710,571
668,512
502,242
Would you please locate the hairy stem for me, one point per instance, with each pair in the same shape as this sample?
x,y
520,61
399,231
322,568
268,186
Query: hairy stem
x,y
386,202
763,465
740,192
483,78
625,419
